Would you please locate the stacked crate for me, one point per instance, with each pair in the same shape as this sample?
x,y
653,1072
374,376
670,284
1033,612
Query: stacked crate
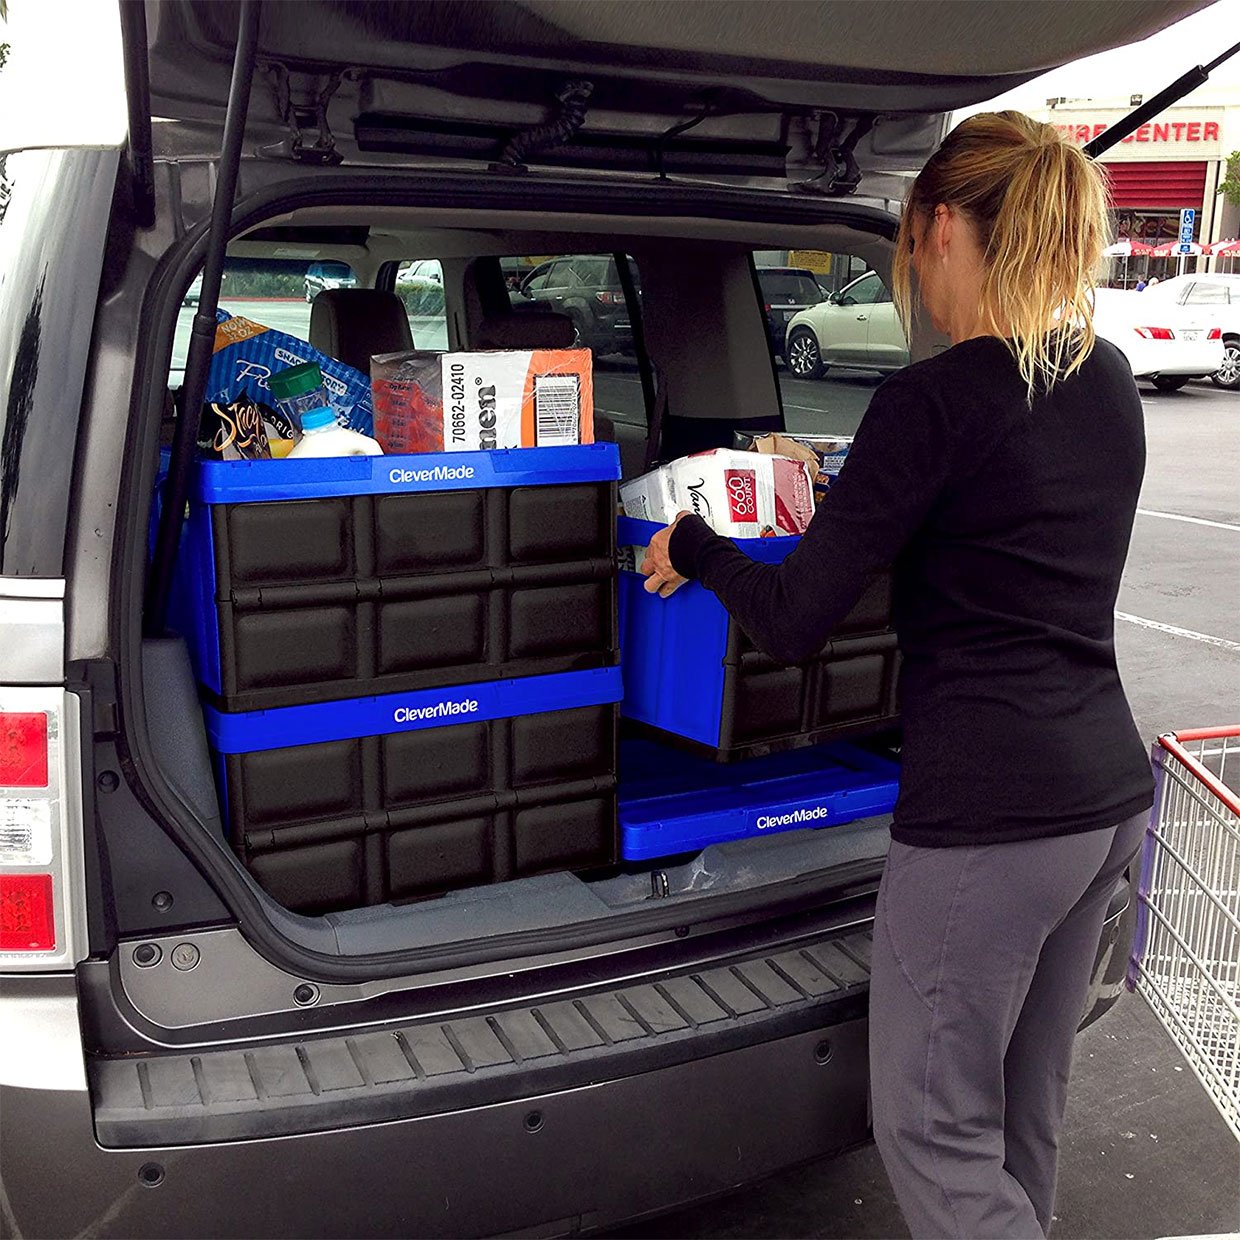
x,y
410,666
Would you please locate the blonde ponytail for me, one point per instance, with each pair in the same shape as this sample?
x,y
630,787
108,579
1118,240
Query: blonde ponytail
x,y
1039,207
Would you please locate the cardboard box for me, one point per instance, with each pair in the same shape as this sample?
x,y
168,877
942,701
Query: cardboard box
x,y
470,402
825,454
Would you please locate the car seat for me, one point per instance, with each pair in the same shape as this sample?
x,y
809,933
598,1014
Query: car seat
x,y
352,324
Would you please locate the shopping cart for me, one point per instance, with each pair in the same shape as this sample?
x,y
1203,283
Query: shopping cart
x,y
1186,951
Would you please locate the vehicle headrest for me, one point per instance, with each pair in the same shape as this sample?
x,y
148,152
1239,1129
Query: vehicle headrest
x,y
526,329
351,324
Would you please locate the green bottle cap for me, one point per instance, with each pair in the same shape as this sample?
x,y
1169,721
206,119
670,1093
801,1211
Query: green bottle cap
x,y
296,381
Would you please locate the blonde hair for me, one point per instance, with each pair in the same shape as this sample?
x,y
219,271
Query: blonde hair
x,y
1039,207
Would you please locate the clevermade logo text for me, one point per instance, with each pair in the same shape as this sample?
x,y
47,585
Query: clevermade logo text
x,y
440,473
767,821
440,710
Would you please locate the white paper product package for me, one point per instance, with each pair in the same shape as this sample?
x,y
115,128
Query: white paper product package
x,y
738,494
652,497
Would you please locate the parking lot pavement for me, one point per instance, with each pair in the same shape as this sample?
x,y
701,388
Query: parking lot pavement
x,y
1144,1153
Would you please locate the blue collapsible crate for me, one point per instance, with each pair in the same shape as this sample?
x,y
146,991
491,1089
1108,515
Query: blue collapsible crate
x,y
693,677
335,805
674,803
322,579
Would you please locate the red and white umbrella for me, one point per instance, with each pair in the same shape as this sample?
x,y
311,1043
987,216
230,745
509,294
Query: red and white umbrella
x,y
1124,248
1171,249
1225,247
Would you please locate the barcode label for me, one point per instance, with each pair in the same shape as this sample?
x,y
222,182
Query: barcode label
x,y
557,410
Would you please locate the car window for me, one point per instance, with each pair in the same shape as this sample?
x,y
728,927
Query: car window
x,y
602,321
592,271
420,286
331,271
274,292
792,288
1205,294
566,276
539,279
866,292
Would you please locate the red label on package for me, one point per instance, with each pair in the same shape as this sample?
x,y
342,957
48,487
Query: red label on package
x,y
742,488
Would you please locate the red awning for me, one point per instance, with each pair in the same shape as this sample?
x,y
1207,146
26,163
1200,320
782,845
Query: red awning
x,y
1157,185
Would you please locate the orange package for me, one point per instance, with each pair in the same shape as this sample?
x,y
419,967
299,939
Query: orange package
x,y
470,402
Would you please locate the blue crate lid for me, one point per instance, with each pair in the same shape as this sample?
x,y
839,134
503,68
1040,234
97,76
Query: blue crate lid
x,y
673,803
251,482
249,731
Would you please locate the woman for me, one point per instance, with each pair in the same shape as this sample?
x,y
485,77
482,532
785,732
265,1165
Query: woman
x,y
1000,478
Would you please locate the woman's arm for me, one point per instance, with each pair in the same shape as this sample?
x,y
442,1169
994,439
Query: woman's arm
x,y
897,467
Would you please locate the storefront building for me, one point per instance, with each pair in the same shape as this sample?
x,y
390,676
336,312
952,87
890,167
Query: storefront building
x,y
1175,162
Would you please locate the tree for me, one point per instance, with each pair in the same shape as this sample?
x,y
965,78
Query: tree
x,y
1229,186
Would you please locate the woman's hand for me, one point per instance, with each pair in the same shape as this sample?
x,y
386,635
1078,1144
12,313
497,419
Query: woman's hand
x,y
661,578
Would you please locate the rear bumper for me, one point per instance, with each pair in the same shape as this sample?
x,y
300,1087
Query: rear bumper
x,y
555,1161
676,1113
1176,357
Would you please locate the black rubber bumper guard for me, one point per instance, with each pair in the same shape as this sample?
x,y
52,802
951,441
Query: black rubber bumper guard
x,y
396,1072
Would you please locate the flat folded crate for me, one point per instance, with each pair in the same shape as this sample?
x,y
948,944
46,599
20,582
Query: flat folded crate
x,y
693,678
313,580
335,805
673,803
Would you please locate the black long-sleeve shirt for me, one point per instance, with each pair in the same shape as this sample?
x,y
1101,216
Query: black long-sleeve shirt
x,y
1007,526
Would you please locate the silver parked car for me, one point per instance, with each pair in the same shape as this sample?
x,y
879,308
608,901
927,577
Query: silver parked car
x,y
856,328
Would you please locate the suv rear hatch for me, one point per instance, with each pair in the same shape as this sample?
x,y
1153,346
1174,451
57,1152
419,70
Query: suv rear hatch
x,y
674,103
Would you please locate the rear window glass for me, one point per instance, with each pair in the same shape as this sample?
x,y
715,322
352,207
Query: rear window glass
x,y
274,292
791,288
1208,295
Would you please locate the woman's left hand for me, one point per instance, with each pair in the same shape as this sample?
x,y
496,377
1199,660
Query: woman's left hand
x,y
661,578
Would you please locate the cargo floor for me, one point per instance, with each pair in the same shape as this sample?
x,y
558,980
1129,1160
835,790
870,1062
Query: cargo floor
x,y
542,903
536,903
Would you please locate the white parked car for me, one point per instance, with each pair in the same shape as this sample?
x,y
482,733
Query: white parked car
x,y
1217,298
856,327
1168,344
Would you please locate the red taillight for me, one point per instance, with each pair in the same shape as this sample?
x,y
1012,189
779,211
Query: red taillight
x,y
23,749
27,921
1215,333
609,298
1156,333
767,307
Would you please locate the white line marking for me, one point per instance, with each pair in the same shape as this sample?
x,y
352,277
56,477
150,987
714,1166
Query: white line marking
x,y
1176,631
1175,516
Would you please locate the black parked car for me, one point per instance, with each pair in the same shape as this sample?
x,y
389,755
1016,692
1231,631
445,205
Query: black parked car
x,y
587,288
786,291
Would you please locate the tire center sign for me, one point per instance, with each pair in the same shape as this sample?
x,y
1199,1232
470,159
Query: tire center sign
x,y
1195,133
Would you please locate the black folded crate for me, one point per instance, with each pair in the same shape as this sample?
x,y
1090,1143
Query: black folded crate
x,y
345,804
692,677
306,581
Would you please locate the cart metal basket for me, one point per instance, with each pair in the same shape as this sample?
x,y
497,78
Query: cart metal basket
x,y
1186,951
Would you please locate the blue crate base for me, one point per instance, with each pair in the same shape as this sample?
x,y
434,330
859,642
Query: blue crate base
x,y
673,803
336,805
692,677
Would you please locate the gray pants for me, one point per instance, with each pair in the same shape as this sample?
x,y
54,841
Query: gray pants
x,y
982,963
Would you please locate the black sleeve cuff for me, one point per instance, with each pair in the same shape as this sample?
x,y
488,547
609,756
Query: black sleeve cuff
x,y
688,538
